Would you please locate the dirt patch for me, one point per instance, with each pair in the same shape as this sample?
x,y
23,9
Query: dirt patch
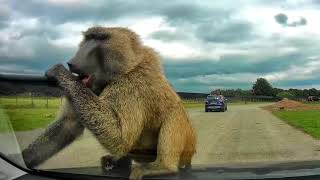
x,y
287,104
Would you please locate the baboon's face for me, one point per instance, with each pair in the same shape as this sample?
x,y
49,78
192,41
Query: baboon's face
x,y
103,55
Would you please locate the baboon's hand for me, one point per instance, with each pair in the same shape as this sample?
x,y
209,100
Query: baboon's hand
x,y
136,173
57,71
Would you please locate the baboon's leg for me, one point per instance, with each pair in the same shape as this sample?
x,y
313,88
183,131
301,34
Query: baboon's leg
x,y
58,135
95,114
185,162
170,147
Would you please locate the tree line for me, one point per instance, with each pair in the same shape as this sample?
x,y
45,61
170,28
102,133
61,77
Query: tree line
x,y
263,87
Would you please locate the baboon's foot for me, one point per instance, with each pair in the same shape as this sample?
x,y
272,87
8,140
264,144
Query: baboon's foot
x,y
151,169
108,163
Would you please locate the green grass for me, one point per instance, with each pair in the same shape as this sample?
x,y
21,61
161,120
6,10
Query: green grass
x,y
5,125
193,104
312,102
308,121
22,115
30,118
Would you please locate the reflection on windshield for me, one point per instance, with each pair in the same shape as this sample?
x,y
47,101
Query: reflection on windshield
x,y
29,117
10,147
180,86
249,133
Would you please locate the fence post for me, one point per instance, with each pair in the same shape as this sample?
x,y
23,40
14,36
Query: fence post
x,y
32,103
47,105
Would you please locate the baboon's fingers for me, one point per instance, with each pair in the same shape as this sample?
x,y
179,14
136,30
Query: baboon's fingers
x,y
109,162
136,173
151,169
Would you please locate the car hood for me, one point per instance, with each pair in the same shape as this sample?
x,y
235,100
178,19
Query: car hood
x,y
226,171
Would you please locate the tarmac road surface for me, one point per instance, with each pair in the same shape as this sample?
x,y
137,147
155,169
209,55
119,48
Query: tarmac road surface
x,y
244,133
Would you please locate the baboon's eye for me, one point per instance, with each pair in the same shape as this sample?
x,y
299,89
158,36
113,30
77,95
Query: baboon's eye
x,y
97,36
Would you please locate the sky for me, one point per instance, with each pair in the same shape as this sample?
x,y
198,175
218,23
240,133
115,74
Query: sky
x,y
204,44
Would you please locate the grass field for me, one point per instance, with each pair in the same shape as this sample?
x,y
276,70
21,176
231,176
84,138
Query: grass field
x,y
25,116
308,121
193,104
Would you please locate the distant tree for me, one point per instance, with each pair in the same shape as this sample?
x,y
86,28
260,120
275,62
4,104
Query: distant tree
x,y
262,88
216,92
285,94
296,92
277,90
235,92
313,92
305,92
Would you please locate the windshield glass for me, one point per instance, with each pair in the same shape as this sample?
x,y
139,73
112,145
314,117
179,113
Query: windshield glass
x,y
10,147
134,88
214,98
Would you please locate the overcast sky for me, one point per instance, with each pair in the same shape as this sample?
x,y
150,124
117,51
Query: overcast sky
x,y
204,44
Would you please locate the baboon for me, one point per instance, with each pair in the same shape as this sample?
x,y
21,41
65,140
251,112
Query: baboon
x,y
116,88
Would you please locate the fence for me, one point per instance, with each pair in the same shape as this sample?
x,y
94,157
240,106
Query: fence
x,y
237,99
38,86
30,101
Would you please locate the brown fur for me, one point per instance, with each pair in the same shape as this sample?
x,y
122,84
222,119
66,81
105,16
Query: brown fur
x,y
137,111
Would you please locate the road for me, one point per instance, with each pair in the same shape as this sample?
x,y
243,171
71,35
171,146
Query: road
x,y
245,133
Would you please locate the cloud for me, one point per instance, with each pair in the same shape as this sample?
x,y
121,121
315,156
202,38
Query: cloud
x,y
283,20
58,11
4,13
166,35
306,71
14,69
225,32
203,44
301,22
304,75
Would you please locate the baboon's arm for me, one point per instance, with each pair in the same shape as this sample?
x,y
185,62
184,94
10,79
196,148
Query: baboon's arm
x,y
97,116
57,136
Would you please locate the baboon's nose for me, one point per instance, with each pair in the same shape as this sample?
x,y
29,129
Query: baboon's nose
x,y
74,68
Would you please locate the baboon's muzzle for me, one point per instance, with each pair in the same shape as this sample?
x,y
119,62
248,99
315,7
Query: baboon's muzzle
x,y
75,69
85,78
